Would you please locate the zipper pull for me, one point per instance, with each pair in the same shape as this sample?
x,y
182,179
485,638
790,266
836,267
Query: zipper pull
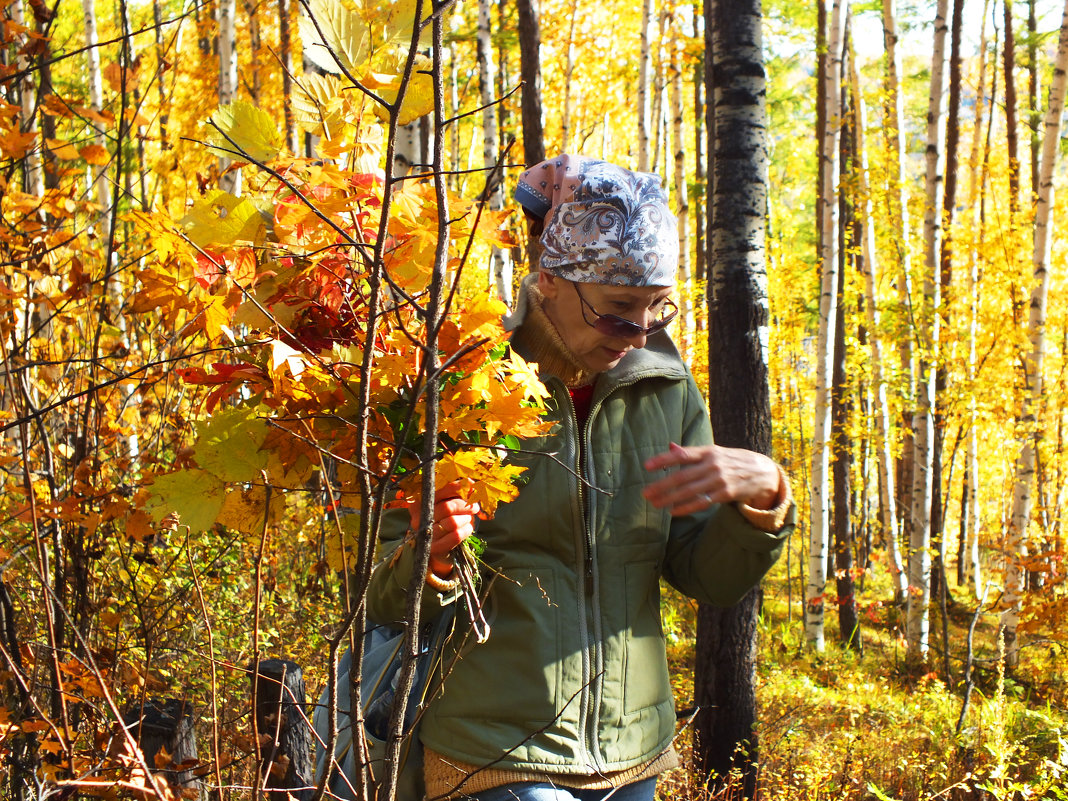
x,y
589,574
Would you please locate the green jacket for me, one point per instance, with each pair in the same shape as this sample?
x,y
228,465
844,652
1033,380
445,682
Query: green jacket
x,y
574,676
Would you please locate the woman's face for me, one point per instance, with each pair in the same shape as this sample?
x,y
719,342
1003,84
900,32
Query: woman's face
x,y
599,352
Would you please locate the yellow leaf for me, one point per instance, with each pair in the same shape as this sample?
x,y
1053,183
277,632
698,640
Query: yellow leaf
x,y
319,105
252,130
62,150
418,98
220,218
216,318
334,33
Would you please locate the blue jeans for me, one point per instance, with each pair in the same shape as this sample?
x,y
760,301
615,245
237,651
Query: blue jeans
x,y
644,790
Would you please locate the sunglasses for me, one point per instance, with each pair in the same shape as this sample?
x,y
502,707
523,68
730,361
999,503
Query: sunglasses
x,y
620,328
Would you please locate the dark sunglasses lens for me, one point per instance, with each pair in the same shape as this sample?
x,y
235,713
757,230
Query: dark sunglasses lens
x,y
612,326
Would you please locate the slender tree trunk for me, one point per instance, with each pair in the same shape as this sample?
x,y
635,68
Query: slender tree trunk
x,y
682,199
231,181
870,271
738,328
699,146
645,78
530,72
821,437
1034,117
1010,111
33,172
841,406
98,173
918,622
968,556
898,213
500,260
285,54
1032,397
569,70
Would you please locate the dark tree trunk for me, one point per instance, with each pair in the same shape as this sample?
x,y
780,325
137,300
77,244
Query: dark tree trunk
x,y
282,725
1010,110
841,407
164,730
738,319
530,72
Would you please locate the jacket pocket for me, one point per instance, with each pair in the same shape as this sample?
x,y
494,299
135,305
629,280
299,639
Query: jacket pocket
x,y
645,674
515,675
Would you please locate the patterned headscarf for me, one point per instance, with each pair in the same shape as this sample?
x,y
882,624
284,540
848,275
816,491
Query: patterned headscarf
x,y
603,224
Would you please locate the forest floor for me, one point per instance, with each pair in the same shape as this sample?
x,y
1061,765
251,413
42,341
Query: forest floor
x,y
848,725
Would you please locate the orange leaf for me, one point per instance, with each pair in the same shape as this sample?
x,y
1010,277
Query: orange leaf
x,y
95,154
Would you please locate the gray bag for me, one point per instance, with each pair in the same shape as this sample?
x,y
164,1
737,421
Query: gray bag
x,y
382,646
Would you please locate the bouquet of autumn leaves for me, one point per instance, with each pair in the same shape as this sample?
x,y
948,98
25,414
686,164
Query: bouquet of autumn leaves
x,y
314,288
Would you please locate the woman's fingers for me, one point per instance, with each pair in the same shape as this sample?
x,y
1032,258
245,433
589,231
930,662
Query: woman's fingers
x,y
701,476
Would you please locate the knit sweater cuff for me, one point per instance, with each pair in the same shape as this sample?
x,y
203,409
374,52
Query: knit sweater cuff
x,y
771,520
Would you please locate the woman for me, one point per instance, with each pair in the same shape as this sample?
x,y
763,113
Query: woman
x,y
570,697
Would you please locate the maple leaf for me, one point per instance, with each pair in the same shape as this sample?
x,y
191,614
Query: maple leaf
x,y
195,495
244,509
252,130
220,218
229,444
95,154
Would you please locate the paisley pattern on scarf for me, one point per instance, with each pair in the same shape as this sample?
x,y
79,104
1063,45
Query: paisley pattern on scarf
x,y
603,224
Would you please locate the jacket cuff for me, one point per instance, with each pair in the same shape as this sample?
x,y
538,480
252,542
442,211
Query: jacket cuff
x,y
771,520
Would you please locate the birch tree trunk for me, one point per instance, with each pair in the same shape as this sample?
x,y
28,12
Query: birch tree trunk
x,y
500,265
968,566
870,270
918,622
231,181
682,200
821,445
33,172
569,70
97,174
898,210
285,55
645,73
724,679
1032,398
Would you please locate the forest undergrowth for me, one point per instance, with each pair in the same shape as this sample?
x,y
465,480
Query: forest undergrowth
x,y
868,726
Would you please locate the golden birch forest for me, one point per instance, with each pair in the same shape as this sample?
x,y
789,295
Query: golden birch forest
x,y
253,260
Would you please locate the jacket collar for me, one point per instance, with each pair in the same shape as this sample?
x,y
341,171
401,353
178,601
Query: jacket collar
x,y
658,359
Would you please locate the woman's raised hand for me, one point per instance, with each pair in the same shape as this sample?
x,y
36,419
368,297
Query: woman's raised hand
x,y
454,521
701,476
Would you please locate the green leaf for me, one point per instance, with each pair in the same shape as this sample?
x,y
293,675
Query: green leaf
x,y
229,444
196,495
252,130
220,218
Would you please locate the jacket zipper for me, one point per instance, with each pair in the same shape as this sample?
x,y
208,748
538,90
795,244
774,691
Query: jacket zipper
x,y
593,667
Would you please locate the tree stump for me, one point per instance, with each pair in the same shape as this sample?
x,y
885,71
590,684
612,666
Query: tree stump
x,y
163,727
282,724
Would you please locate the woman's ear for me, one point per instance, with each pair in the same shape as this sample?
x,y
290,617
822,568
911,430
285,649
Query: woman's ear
x,y
548,284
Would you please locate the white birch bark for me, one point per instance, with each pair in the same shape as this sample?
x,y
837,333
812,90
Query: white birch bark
x,y
899,215
569,70
500,266
231,182
33,177
1032,398
884,432
97,173
918,621
682,199
972,569
645,70
821,435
